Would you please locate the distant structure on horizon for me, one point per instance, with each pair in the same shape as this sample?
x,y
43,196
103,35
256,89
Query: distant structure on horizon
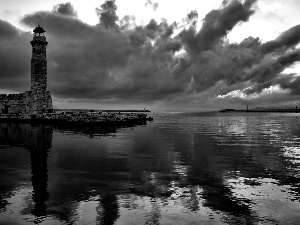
x,y
264,110
38,99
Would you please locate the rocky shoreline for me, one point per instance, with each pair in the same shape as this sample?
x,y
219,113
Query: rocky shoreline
x,y
76,117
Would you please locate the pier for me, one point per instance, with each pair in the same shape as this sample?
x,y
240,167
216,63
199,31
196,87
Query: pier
x,y
80,117
263,110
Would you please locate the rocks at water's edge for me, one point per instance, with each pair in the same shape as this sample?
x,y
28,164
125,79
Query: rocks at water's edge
x,y
83,117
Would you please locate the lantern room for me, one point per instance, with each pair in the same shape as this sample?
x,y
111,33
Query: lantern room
x,y
39,31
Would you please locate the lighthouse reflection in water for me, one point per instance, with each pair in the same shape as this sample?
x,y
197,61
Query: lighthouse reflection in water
x,y
178,169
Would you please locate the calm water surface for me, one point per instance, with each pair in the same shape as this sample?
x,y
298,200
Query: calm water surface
x,y
197,168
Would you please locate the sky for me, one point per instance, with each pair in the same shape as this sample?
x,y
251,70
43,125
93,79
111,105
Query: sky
x,y
163,55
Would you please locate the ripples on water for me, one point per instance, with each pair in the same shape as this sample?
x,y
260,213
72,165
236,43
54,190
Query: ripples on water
x,y
197,168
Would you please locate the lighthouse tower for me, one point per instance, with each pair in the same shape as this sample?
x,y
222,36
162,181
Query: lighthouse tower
x,y
41,97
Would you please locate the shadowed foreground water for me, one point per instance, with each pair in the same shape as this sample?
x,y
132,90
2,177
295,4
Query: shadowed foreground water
x,y
197,168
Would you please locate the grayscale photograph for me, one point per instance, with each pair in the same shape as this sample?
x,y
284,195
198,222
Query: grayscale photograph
x,y
149,112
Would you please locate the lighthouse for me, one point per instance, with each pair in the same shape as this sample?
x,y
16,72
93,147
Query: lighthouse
x,y
38,99
41,97
38,60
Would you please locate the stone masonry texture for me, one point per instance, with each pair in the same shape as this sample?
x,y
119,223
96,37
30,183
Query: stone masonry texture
x,y
38,99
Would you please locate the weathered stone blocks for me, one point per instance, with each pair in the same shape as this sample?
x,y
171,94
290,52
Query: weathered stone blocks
x,y
38,99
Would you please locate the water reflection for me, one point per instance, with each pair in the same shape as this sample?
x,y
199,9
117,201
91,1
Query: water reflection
x,y
155,215
108,209
179,169
38,141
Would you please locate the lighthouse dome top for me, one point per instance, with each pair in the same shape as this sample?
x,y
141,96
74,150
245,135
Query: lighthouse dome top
x,y
39,29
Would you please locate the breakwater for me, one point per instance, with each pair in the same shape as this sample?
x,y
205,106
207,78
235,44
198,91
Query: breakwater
x,y
271,110
86,117
100,110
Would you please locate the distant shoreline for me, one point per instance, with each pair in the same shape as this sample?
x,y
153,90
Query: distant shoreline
x,y
294,110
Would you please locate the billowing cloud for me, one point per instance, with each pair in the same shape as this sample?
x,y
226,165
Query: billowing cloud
x,y
15,52
216,25
154,5
210,58
266,73
287,39
290,82
107,14
65,9
98,62
117,59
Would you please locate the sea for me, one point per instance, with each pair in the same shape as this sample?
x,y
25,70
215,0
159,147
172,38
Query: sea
x,y
180,168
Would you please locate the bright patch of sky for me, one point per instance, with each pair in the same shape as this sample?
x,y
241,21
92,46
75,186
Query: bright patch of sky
x,y
265,91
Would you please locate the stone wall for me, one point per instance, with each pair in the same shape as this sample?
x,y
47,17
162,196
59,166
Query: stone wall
x,y
14,104
26,103
41,101
3,102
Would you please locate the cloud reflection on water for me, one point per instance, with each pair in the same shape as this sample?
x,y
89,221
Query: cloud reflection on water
x,y
232,169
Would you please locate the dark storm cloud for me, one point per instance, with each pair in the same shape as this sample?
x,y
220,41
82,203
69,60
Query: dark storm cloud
x,y
210,59
107,14
8,31
98,46
268,72
270,68
14,57
116,59
216,25
65,9
287,39
276,57
192,16
92,61
79,55
292,84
